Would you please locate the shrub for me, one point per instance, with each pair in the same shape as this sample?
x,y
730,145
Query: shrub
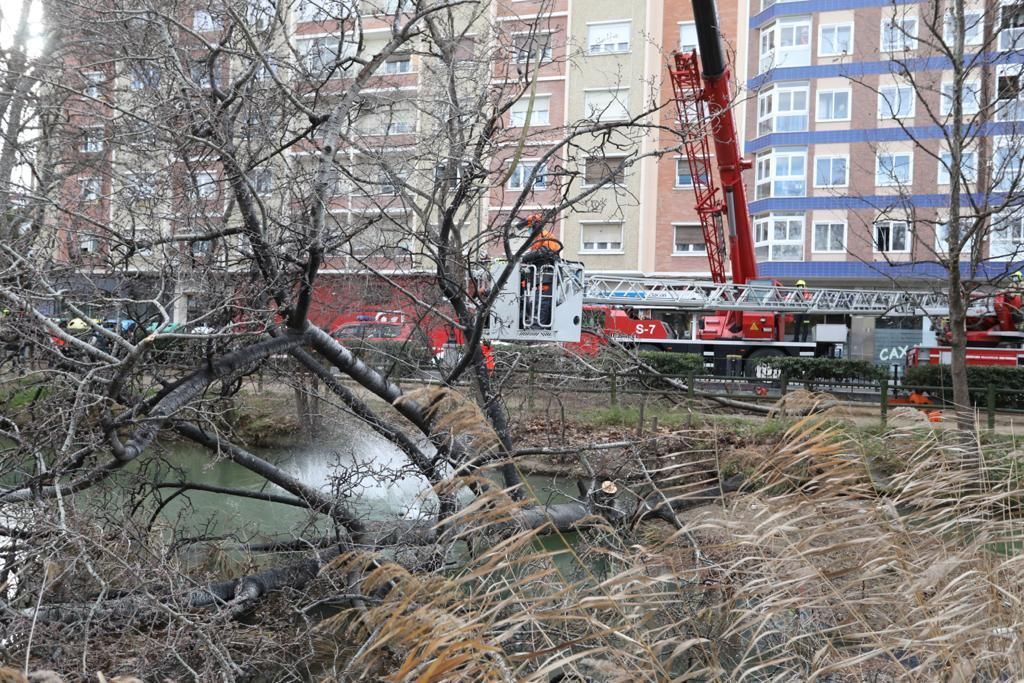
x,y
669,363
823,370
937,381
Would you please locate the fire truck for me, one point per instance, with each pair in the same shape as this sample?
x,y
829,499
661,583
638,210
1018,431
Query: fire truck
x,y
745,317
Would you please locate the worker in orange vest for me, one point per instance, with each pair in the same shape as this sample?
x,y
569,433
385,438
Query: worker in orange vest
x,y
545,247
536,301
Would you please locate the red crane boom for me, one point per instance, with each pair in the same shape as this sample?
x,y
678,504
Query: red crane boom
x,y
704,100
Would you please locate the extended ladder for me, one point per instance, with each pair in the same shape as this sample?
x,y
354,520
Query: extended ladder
x,y
692,105
687,295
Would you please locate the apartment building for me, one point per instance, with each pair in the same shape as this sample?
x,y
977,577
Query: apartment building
x,y
849,103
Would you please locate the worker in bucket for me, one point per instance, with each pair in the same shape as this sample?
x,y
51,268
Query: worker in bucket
x,y
1016,300
801,321
537,274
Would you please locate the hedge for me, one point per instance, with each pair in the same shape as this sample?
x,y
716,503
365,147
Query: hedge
x,y
823,370
669,363
937,381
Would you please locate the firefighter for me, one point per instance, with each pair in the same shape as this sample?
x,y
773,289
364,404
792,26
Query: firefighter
x,y
1015,299
543,255
801,322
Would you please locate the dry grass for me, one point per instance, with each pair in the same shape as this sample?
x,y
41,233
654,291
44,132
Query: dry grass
x,y
816,576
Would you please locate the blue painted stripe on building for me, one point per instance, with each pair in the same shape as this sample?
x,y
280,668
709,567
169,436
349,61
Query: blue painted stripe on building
x,y
860,69
889,134
853,270
782,9
877,202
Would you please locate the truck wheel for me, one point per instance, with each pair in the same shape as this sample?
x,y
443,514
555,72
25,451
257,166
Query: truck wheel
x,y
750,366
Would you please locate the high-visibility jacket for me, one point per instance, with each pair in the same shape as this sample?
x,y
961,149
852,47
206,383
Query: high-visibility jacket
x,y
546,239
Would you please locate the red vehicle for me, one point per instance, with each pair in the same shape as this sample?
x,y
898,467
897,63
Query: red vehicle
x,y
940,355
441,337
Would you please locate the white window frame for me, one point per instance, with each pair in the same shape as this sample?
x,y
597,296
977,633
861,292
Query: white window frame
x,y
833,157
1002,248
597,47
1011,38
325,45
93,84
701,248
517,115
684,162
92,140
143,77
833,92
205,185
91,188
619,249
612,162
836,27
607,112
904,39
1007,164
547,54
969,174
397,64
908,237
886,95
771,100
88,244
830,224
688,47
890,181
775,56
1010,109
974,28
519,175
942,238
204,21
971,105
769,247
770,160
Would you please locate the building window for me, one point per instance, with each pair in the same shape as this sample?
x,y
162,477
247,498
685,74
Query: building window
x,y
895,101
892,236
833,105
899,33
1007,239
320,55
92,140
1009,105
527,48
688,238
144,77
259,13
1008,165
606,105
893,169
779,237
320,10
520,176
203,20
93,84
684,174
91,189
688,37
600,237
200,74
829,237
262,181
968,166
835,40
1011,26
204,185
971,102
782,109
540,116
942,237
88,244
398,64
599,169
974,25
786,43
781,173
831,171
140,188
608,38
